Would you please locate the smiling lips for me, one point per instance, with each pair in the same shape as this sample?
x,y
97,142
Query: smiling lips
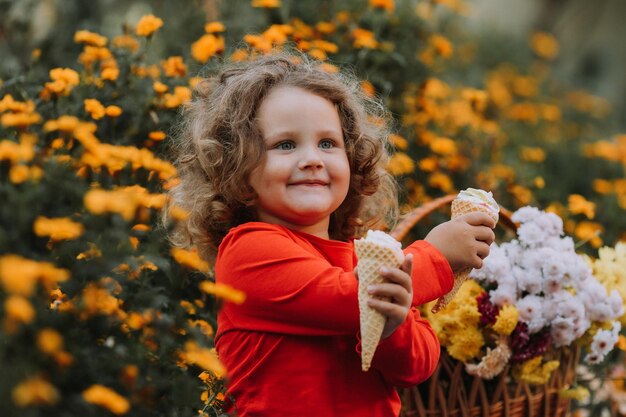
x,y
310,183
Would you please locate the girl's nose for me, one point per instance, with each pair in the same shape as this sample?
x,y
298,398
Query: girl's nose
x,y
311,158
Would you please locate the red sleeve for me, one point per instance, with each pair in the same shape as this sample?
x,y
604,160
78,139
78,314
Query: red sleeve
x,y
410,354
288,288
432,274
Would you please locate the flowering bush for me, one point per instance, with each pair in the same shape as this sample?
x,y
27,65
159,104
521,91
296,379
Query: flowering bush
x,y
532,296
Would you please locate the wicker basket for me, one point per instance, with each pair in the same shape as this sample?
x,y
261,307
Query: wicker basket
x,y
452,392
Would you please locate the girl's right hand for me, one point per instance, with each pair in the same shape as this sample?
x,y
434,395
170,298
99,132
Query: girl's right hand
x,y
465,240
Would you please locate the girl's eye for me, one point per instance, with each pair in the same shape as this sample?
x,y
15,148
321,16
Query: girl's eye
x,y
285,146
327,144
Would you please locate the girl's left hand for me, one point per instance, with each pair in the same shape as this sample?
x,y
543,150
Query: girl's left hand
x,y
398,290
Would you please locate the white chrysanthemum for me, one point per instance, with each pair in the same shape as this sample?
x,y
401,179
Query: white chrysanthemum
x,y
514,251
602,343
530,234
617,304
496,267
530,309
504,295
550,223
563,331
528,280
525,214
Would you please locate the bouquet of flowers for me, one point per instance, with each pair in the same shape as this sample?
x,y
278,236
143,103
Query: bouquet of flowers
x,y
532,296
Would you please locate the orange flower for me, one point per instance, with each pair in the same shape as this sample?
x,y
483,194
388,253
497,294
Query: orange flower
x,y
18,309
113,111
106,398
157,135
589,231
388,5
267,4
148,24
577,204
206,47
90,38
190,259
203,357
49,341
35,391
364,39
94,108
57,228
545,45
213,27
174,67
126,41
532,154
223,291
443,146
400,164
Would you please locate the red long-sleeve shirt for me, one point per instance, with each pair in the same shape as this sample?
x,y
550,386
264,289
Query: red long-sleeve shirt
x,y
291,349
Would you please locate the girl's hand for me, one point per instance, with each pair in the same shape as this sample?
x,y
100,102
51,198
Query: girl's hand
x,y
465,240
399,290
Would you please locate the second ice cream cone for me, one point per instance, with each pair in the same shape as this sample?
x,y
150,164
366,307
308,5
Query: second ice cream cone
x,y
371,257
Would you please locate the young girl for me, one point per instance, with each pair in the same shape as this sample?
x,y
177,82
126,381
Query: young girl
x,y
281,166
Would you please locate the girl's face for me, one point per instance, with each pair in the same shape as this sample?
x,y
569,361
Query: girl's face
x,y
306,173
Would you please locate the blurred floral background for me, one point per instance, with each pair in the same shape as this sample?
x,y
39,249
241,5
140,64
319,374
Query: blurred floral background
x,y
100,316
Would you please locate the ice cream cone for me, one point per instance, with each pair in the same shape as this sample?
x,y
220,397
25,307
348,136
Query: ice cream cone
x,y
460,207
372,256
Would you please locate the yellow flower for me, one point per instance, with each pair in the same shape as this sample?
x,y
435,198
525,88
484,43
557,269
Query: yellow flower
x,y
398,141
578,393
364,39
465,345
147,25
49,341
94,108
506,320
190,259
223,291
577,204
90,38
57,228
267,4
534,372
400,164
589,231
35,391
106,398
213,27
388,5
207,46
174,67
20,275
545,45
113,111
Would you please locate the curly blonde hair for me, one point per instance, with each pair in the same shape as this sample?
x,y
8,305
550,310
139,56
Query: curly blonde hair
x,y
219,144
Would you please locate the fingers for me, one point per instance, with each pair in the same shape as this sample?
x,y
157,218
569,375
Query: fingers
x,y
484,234
479,218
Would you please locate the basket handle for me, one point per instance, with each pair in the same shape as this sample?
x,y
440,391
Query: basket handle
x,y
417,214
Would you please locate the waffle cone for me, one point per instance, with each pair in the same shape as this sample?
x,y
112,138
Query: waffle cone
x,y
459,208
371,258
